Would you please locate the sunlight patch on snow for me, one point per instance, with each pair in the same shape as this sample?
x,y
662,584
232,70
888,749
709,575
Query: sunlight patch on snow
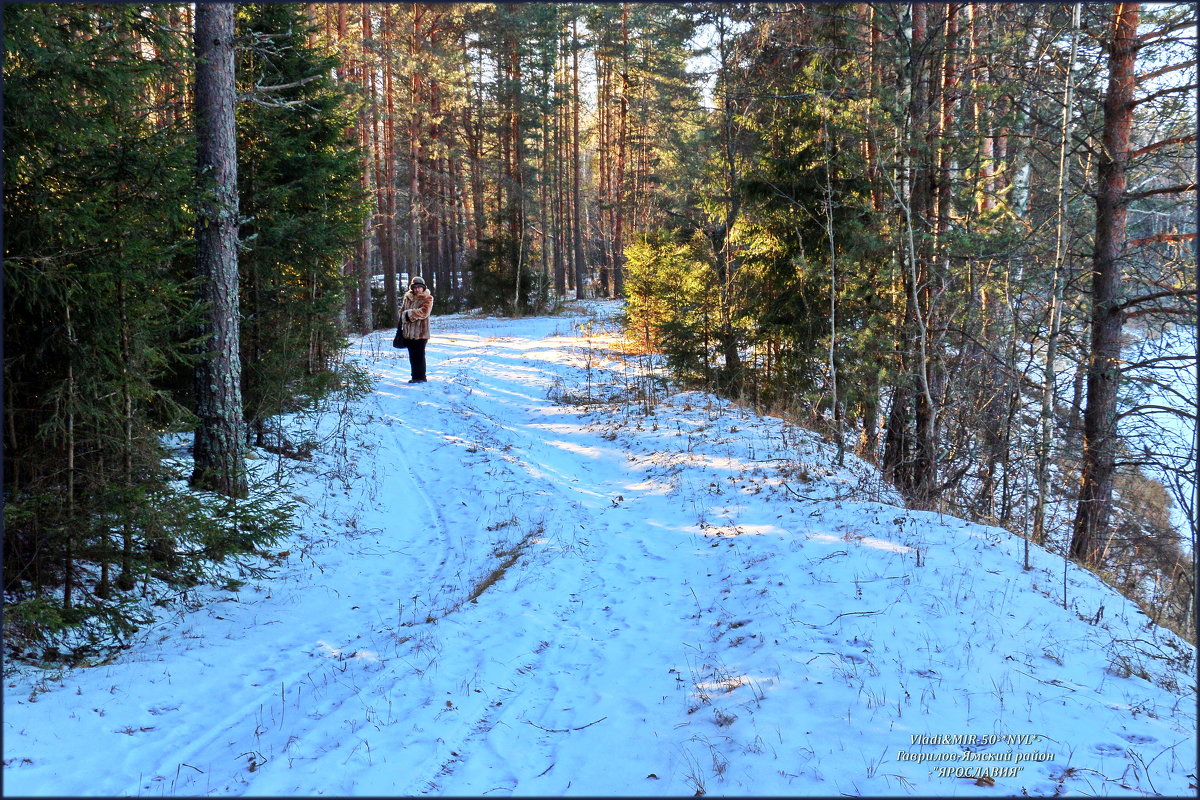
x,y
731,682
717,462
739,530
651,487
571,447
341,655
460,441
557,427
560,354
865,541
881,544
502,395
689,529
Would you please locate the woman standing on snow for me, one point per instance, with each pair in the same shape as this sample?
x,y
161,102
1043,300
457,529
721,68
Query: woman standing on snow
x,y
414,324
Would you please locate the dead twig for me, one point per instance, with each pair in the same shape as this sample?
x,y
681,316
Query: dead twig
x,y
564,730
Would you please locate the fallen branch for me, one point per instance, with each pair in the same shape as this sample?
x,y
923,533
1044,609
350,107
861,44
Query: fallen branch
x,y
1055,683
839,616
563,730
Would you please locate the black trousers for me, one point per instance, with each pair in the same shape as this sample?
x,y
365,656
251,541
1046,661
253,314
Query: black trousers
x,y
416,358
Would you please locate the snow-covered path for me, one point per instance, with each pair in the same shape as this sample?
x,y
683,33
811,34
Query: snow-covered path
x,y
501,592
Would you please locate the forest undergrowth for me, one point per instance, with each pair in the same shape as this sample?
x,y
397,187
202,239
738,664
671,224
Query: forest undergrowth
x,y
183,538
1142,556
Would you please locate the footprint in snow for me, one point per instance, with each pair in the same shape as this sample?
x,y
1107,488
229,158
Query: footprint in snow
x,y
1137,738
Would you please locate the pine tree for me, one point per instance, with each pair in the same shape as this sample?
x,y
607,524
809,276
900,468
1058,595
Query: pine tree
x,y
220,440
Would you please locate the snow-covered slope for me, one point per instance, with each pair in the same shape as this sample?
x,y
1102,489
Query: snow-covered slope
x,y
497,591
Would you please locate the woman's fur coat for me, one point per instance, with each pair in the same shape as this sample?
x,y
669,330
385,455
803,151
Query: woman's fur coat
x,y
414,314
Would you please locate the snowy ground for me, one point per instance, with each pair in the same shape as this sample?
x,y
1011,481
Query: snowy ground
x,y
506,585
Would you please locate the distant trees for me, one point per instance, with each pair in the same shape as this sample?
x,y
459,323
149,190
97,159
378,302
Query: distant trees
x,y
493,169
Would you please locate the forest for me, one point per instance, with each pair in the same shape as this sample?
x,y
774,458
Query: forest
x,y
956,239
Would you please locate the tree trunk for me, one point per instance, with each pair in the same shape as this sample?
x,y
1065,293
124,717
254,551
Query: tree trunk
x,y
576,201
731,372
560,172
1057,282
388,179
367,115
1103,375
619,194
345,73
604,166
218,449
376,156
414,266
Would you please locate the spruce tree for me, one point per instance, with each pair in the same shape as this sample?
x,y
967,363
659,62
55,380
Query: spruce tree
x,y
302,210
97,187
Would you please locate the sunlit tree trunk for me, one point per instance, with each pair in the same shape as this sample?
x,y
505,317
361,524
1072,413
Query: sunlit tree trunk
x,y
619,193
576,195
1103,373
388,177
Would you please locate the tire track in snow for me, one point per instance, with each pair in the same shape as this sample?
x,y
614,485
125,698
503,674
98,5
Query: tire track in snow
x,y
318,673
448,413
344,682
491,405
512,678
478,392
537,712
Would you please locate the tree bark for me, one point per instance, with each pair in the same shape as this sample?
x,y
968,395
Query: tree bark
x,y
416,109
619,194
1103,374
576,199
218,449
388,178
